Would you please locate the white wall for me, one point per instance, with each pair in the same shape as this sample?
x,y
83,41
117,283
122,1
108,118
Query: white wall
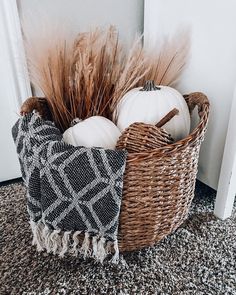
x,y
82,15
212,67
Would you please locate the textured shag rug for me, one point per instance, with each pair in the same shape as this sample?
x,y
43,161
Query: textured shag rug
x,y
199,258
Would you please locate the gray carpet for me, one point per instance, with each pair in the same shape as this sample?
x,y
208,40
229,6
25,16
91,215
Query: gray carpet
x,y
199,258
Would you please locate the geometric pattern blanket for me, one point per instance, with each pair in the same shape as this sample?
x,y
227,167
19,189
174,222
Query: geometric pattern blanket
x,y
73,193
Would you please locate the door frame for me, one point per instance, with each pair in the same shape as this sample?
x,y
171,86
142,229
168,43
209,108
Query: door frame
x,y
227,181
15,85
18,71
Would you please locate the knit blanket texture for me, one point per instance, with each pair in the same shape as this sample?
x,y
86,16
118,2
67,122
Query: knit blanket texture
x,y
73,193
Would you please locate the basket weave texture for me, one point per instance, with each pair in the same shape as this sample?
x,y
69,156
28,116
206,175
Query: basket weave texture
x,y
159,185
140,137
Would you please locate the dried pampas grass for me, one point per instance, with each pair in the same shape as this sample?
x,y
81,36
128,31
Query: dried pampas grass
x,y
168,59
89,75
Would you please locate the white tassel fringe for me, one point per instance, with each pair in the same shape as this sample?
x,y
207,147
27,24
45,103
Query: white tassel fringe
x,y
56,241
65,243
85,246
116,256
60,243
37,229
101,252
75,238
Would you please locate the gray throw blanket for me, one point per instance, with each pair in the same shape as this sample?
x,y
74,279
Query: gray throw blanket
x,y
73,193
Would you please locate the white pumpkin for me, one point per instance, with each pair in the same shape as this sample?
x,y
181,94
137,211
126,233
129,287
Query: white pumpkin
x,y
95,131
149,104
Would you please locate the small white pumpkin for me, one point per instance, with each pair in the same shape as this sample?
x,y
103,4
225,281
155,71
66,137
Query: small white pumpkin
x,y
96,131
149,104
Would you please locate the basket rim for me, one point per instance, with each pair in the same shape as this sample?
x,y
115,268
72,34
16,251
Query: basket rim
x,y
193,99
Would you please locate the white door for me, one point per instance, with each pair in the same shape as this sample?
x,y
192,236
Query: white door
x,y
14,85
212,66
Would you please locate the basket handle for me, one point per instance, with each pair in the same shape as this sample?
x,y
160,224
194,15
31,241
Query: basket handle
x,y
197,99
38,104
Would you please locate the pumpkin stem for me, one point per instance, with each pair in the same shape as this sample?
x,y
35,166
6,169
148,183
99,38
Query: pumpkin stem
x,y
167,117
75,121
150,86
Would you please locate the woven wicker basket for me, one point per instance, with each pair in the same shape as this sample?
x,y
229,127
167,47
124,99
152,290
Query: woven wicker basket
x,y
158,184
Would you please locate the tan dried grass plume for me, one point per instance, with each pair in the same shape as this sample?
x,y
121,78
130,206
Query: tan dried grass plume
x,y
168,59
163,63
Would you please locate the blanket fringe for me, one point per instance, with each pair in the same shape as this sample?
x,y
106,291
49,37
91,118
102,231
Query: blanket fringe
x,y
55,241
101,251
95,245
75,244
115,258
85,246
46,235
59,242
37,229
65,243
